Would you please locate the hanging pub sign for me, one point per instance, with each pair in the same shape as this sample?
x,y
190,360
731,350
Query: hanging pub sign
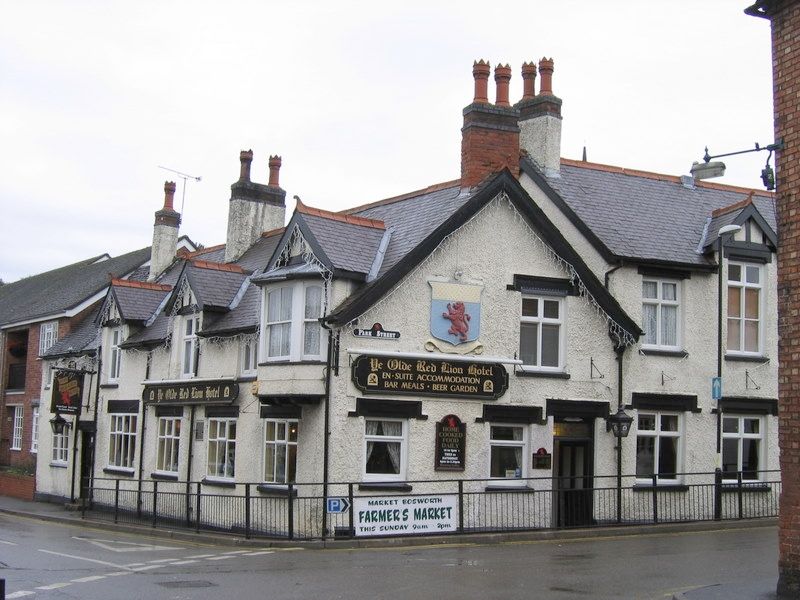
x,y
451,444
377,331
429,377
218,391
67,393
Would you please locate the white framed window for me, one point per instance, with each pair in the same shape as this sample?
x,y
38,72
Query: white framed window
x,y
114,353
658,447
541,333
122,441
18,416
745,300
742,447
280,450
222,448
661,313
169,441
61,447
249,356
508,452
191,325
385,449
292,328
35,429
48,335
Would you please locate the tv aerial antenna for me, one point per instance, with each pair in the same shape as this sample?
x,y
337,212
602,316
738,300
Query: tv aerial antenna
x,y
183,176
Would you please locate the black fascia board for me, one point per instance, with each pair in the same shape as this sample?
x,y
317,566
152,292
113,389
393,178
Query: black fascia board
x,y
671,264
503,182
527,166
152,343
298,220
228,331
109,297
354,275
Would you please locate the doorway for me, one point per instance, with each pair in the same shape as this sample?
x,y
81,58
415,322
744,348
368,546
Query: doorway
x,y
87,456
574,455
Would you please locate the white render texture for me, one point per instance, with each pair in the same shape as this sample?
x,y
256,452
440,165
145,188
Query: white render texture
x,y
165,244
540,137
247,220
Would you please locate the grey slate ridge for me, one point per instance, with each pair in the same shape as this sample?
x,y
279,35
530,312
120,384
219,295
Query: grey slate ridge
x,y
644,218
257,256
83,339
349,246
61,289
137,304
412,219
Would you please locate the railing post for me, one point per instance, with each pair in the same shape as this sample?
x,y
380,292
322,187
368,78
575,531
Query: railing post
x,y
247,511
291,512
139,500
116,500
460,506
155,502
84,502
655,499
350,523
739,494
197,509
718,494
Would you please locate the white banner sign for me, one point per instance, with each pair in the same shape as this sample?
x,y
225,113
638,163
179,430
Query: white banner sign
x,y
396,515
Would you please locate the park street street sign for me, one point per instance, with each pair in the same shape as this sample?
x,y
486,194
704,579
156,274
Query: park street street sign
x,y
337,506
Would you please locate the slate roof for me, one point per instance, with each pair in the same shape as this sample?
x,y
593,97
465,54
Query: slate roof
x,y
244,317
138,302
257,256
214,285
350,246
149,336
82,339
61,289
644,216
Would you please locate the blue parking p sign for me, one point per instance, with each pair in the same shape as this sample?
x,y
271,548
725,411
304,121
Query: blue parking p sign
x,y
338,505
716,388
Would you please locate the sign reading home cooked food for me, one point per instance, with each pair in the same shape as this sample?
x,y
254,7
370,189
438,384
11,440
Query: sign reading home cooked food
x,y
394,515
67,393
429,377
220,391
451,444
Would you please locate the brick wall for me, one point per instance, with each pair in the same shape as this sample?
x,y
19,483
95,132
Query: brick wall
x,y
17,486
786,82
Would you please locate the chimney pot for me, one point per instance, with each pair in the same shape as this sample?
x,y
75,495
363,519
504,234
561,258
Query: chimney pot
x,y
528,81
480,71
502,76
546,71
274,170
245,158
169,195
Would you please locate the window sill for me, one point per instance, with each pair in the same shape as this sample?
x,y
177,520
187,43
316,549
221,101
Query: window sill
x,y
289,362
747,358
385,487
15,392
59,465
543,374
507,488
276,489
250,377
119,471
16,449
225,483
164,476
663,487
754,486
109,386
663,352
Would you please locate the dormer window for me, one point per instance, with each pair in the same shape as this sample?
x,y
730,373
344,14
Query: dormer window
x,y
190,346
114,353
292,331
661,313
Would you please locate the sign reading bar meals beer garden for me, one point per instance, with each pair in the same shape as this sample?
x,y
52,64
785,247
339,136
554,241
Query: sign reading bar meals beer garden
x,y
395,515
429,377
219,391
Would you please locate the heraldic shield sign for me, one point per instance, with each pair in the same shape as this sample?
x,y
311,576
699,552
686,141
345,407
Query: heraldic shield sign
x,y
455,312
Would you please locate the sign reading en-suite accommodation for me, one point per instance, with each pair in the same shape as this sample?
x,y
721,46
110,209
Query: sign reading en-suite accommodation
x,y
429,377
67,393
394,515
220,391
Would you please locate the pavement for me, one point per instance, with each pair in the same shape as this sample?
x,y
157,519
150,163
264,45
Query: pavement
x,y
758,589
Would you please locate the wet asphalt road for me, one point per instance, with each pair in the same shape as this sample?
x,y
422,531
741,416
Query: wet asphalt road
x,y
62,561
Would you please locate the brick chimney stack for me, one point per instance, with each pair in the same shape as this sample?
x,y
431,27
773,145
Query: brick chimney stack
x,y
165,234
490,135
540,119
254,207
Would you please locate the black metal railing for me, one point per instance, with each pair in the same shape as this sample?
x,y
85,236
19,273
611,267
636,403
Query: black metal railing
x,y
299,511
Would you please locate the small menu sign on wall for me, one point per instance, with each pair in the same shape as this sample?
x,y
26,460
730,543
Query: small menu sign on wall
x,y
451,444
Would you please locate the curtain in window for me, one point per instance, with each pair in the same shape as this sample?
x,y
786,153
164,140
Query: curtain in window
x,y
669,325
372,429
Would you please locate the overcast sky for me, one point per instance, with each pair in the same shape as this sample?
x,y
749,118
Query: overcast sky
x,y
361,99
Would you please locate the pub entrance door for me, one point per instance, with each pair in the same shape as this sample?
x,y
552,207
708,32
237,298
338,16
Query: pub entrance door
x,y
87,455
574,457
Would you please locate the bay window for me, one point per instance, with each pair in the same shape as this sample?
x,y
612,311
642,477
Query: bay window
x,y
292,328
745,299
542,333
661,313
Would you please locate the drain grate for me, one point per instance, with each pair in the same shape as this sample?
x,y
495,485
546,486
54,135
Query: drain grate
x,y
186,584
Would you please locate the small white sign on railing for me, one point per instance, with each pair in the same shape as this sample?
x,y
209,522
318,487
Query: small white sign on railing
x,y
396,515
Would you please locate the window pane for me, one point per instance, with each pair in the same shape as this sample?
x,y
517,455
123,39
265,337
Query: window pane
x,y
669,325
733,334
280,463
313,302
750,451
273,305
392,428
751,425
291,465
269,463
730,425
551,309
645,451
286,304
649,289
550,345
734,302
500,432
528,342
311,338
649,321
752,274
280,431
384,458
506,461
669,291
751,336
730,456
667,455
292,432
751,303
669,423
530,307
647,422
734,272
